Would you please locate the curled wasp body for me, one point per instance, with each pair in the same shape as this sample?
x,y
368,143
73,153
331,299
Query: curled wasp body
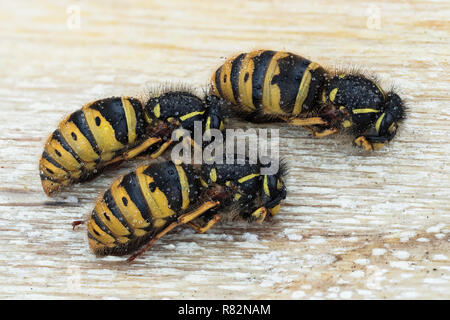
x,y
115,129
144,205
266,85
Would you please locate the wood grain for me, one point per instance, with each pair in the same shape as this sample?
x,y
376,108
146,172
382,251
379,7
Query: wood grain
x,y
354,225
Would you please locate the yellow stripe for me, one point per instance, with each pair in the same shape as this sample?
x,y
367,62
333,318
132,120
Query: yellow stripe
x,y
377,145
66,160
184,186
333,94
147,118
130,212
161,149
245,87
81,146
58,173
266,187
99,234
393,127
214,84
225,83
213,175
279,184
157,110
190,115
208,124
364,110
378,124
303,90
248,177
112,223
130,115
104,134
204,184
324,97
275,210
157,200
158,223
271,92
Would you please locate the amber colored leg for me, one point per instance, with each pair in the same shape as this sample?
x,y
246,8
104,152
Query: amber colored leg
x,y
363,143
161,149
260,213
216,218
76,223
377,145
185,218
305,121
325,133
135,151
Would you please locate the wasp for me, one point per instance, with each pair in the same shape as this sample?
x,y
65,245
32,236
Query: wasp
x,y
267,85
111,130
144,205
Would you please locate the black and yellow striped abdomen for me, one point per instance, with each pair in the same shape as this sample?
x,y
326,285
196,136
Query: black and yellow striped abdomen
x,y
265,85
269,83
138,205
88,138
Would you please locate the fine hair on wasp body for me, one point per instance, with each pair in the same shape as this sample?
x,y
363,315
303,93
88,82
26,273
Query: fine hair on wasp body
x,y
266,85
112,130
147,203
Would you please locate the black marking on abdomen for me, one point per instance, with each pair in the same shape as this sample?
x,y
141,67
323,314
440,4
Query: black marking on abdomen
x,y
112,206
292,69
261,64
60,139
112,110
167,180
140,120
131,185
47,157
79,120
234,75
217,81
100,224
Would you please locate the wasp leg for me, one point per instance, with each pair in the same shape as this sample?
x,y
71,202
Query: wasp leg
x,y
323,133
76,223
370,143
373,142
304,121
135,151
362,142
183,219
161,149
260,214
216,218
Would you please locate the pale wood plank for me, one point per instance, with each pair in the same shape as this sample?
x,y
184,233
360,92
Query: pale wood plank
x,y
355,225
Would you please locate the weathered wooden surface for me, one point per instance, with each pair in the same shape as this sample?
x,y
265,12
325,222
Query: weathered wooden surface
x,y
354,225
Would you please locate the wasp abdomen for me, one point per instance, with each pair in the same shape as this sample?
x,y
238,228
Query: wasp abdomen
x,y
138,205
269,83
88,139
